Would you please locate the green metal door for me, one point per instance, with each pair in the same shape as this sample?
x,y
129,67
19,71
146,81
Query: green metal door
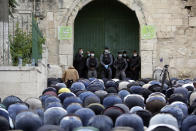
x,y
106,23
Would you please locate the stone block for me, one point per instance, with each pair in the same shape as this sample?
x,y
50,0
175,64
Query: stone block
x,y
50,25
177,22
65,49
70,60
146,56
53,59
22,82
161,11
63,60
156,1
182,51
191,64
55,71
146,70
173,28
50,16
165,35
68,3
52,48
192,21
15,76
146,64
148,44
50,33
193,11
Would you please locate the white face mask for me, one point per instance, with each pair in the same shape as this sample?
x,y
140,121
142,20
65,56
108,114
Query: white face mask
x,y
120,55
89,54
135,54
93,55
124,55
81,52
107,51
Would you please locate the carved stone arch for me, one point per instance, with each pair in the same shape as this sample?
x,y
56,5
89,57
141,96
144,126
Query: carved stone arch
x,y
77,5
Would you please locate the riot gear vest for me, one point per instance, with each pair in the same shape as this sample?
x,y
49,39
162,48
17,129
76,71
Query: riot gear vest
x,y
106,59
92,62
121,63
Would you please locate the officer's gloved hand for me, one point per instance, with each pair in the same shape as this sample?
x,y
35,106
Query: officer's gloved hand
x,y
106,66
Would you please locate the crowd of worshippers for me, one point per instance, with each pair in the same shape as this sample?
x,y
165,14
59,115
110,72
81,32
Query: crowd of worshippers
x,y
104,105
121,67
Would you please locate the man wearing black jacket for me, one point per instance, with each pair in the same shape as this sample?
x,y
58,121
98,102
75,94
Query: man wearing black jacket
x,y
106,61
80,63
135,65
92,65
120,64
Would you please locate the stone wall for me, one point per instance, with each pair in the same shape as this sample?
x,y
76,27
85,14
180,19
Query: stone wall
x,y
4,45
24,81
175,34
175,40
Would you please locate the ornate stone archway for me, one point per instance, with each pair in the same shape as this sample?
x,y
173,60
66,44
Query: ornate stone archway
x,y
147,47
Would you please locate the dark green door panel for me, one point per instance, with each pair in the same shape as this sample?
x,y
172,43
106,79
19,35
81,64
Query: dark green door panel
x,y
106,23
89,37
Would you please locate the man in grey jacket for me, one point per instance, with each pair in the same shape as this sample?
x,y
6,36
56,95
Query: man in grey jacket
x,y
92,65
106,61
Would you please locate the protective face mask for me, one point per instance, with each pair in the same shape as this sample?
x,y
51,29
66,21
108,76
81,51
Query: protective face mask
x,y
124,55
134,54
81,52
120,55
89,54
106,51
92,54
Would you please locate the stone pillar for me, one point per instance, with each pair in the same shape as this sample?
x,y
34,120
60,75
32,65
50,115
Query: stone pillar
x,y
147,57
66,53
4,48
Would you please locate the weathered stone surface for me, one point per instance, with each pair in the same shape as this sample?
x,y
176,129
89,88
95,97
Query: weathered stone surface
x,y
70,60
63,60
23,82
192,21
65,49
146,65
175,32
148,45
54,71
50,16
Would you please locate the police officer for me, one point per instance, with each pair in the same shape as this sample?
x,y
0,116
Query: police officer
x,y
79,63
125,56
106,61
88,54
120,65
92,65
135,65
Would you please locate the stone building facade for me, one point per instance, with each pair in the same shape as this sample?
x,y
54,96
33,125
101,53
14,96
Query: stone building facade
x,y
4,48
174,20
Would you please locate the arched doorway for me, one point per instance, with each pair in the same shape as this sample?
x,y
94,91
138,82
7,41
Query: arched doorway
x,y
108,23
